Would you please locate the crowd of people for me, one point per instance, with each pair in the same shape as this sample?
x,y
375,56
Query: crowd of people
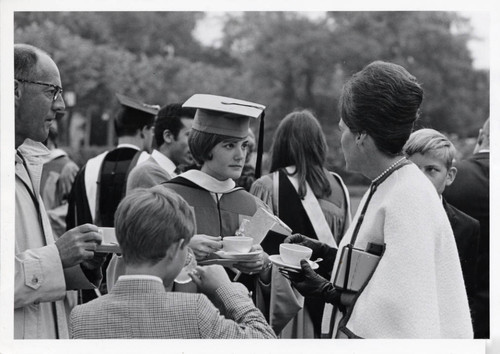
x,y
412,262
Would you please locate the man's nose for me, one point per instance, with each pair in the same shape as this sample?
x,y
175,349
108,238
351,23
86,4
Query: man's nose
x,y
58,104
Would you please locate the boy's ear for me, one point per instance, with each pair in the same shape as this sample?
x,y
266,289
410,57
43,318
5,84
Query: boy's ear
x,y
144,131
450,176
174,249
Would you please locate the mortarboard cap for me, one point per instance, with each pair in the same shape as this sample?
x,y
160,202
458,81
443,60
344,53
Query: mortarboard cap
x,y
227,116
223,115
135,114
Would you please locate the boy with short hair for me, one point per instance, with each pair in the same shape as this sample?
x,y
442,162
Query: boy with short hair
x,y
433,153
153,228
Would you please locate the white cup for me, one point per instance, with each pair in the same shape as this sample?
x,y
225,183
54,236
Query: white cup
x,y
240,244
291,253
108,235
189,265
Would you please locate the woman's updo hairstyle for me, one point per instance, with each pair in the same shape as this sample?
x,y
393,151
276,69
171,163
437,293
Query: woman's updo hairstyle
x,y
383,101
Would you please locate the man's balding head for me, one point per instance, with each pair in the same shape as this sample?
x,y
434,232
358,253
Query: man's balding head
x,y
26,58
483,139
37,93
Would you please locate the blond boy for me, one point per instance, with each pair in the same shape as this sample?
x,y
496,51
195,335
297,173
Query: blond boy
x,y
433,153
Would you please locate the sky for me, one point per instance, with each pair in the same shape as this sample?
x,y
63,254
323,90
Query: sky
x,y
480,48
209,33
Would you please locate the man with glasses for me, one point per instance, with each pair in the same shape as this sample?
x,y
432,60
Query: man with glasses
x,y
45,268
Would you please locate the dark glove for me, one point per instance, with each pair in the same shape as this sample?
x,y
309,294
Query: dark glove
x,y
310,284
320,249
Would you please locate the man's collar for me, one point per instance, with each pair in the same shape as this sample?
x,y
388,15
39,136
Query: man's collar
x,y
127,145
34,152
140,277
164,162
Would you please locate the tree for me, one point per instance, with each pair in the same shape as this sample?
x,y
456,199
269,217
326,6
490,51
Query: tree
x,y
433,47
283,60
292,61
96,71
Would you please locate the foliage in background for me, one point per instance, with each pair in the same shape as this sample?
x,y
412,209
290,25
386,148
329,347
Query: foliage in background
x,y
283,60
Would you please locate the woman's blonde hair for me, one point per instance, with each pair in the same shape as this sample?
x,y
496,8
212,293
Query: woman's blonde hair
x,y
429,140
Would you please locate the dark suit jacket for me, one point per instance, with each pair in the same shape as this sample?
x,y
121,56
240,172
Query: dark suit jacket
x,y
466,232
470,192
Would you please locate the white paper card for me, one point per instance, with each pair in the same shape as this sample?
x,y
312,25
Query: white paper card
x,y
262,222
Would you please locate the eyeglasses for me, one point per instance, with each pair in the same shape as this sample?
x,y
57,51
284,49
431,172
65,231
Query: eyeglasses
x,y
58,89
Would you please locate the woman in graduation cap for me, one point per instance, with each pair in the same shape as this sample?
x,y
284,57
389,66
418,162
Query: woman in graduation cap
x,y
218,142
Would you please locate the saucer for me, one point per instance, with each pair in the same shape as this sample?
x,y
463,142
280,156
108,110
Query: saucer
x,y
219,261
108,248
276,259
237,255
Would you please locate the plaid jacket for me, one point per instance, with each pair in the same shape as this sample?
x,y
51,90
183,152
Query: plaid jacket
x,y
141,308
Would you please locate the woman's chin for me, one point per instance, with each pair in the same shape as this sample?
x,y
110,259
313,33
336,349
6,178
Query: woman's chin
x,y
236,175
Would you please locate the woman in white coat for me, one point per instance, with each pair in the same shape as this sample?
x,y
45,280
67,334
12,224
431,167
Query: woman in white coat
x,y
397,273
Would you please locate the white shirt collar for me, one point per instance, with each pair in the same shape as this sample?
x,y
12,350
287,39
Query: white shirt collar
x,y
140,277
128,145
208,182
164,162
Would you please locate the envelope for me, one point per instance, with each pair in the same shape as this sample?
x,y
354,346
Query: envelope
x,y
262,222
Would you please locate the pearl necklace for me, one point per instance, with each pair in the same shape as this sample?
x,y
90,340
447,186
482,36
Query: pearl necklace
x,y
388,169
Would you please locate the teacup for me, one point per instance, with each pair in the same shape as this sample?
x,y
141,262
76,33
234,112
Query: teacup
x,y
108,235
239,244
292,253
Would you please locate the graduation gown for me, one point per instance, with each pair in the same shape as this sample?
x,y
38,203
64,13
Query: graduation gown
x,y
219,207
335,207
98,189
100,186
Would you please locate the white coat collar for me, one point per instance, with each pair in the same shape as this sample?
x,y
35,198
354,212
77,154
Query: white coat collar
x,y
34,152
